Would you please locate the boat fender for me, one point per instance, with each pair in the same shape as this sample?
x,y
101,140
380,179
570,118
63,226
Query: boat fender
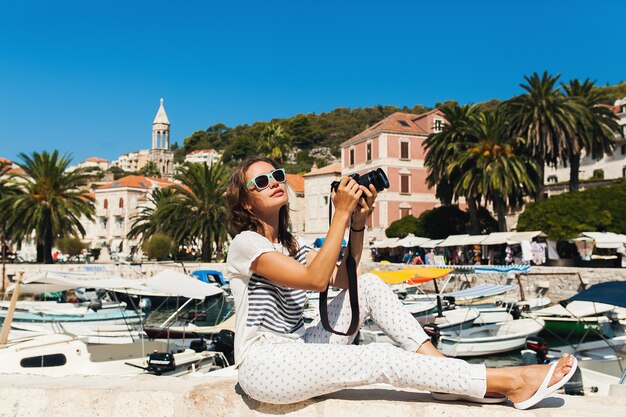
x,y
433,331
198,345
145,304
539,346
160,362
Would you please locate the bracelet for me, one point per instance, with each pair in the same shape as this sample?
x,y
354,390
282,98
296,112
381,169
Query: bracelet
x,y
357,230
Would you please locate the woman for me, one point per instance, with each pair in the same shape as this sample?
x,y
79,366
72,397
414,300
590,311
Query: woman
x,y
281,362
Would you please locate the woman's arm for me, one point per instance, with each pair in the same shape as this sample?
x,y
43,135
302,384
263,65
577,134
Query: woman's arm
x,y
316,275
357,233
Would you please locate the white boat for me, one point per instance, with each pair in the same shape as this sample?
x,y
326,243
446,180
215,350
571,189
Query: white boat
x,y
490,339
60,355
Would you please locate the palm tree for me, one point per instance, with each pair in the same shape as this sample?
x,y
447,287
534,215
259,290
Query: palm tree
x,y
494,167
546,119
191,212
595,131
273,142
6,189
50,203
443,148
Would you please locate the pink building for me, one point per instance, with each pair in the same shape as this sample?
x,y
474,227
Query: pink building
x,y
395,144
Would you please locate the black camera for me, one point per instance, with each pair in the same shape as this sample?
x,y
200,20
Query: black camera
x,y
376,177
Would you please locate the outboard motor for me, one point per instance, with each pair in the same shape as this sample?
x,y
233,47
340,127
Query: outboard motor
x,y
451,301
160,362
539,346
575,385
198,345
515,312
224,342
433,331
95,305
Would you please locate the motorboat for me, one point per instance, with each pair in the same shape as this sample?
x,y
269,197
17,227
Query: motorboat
x,y
488,340
60,355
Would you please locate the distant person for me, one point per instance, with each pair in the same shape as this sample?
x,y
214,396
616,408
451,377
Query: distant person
x,y
408,257
417,260
280,361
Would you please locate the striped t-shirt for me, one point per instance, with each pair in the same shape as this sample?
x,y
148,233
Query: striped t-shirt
x,y
260,304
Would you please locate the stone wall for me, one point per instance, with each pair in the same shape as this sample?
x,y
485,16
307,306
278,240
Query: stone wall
x,y
23,395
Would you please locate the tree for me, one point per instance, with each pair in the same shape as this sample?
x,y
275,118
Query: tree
x,y
159,246
192,212
493,167
546,119
70,245
442,222
150,170
402,227
51,201
444,147
595,130
273,143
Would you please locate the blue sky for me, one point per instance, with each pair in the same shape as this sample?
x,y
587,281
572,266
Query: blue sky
x,y
86,77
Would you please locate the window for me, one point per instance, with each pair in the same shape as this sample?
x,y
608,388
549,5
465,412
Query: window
x,y
404,150
404,212
404,184
325,200
624,172
553,178
623,148
106,204
368,152
121,203
44,361
351,157
438,125
403,123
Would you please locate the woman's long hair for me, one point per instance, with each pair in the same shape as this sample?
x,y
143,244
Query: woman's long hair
x,y
240,218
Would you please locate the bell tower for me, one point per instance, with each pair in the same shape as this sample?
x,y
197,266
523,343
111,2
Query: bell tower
x,y
160,153
161,130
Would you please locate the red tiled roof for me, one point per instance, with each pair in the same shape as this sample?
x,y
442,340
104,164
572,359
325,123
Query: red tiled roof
x,y
17,170
136,181
406,123
95,159
199,151
296,182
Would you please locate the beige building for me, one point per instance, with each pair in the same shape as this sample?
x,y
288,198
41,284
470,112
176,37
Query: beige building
x,y
295,191
201,156
317,197
160,153
116,204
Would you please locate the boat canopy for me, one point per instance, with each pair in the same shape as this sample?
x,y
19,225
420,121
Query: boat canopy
x,y
411,275
613,293
480,291
167,283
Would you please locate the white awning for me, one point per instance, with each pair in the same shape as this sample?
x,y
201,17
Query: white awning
x,y
165,283
497,238
431,243
386,243
606,240
453,240
411,241
475,239
518,237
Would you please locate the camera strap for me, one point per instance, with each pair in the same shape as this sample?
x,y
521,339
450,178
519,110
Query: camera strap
x,y
353,293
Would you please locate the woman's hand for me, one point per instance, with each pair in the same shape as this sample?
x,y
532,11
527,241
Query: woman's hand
x,y
365,206
347,196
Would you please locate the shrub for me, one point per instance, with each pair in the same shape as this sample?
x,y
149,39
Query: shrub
x,y
158,246
70,245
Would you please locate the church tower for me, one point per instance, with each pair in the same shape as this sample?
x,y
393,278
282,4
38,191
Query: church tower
x,y
161,130
160,153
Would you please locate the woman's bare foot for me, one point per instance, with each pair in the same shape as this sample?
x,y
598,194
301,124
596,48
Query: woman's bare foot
x,y
531,377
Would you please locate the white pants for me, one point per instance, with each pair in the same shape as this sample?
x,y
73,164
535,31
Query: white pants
x,y
281,371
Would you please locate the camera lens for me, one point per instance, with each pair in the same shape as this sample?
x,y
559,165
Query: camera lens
x,y
378,178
